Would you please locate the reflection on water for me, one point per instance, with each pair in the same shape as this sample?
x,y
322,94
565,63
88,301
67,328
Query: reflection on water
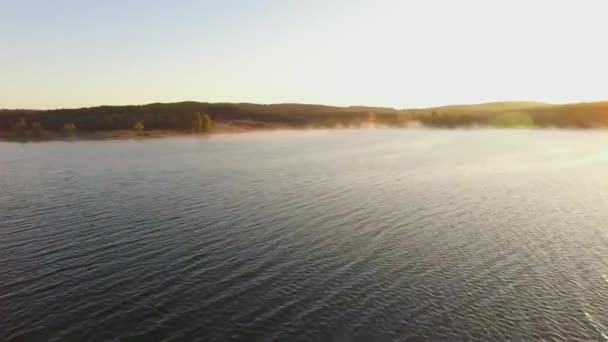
x,y
319,235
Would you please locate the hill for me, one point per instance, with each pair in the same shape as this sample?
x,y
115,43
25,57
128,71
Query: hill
x,y
179,116
513,114
182,116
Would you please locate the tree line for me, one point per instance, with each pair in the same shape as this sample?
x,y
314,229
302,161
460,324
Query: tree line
x,y
199,116
193,116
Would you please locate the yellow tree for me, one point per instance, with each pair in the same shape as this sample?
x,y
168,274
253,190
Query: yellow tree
x,y
205,123
138,127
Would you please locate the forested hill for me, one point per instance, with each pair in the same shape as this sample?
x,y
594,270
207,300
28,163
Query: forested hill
x,y
182,116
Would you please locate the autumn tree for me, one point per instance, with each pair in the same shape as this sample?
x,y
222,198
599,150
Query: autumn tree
x,y
205,123
138,127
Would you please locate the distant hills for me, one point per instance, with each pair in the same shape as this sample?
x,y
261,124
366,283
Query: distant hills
x,y
490,107
182,115
534,114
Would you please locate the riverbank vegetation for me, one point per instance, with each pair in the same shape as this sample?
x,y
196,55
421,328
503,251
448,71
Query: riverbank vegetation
x,y
199,117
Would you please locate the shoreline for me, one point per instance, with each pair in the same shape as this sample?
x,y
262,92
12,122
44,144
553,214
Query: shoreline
x,y
185,117
232,128
47,136
239,127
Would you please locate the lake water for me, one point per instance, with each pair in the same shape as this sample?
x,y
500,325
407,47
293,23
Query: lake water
x,y
346,235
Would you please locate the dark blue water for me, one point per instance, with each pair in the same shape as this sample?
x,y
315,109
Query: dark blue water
x,y
350,235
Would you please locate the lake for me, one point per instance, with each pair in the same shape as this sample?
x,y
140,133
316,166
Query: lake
x,y
343,235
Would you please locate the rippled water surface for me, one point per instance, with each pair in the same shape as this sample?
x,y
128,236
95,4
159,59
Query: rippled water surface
x,y
352,235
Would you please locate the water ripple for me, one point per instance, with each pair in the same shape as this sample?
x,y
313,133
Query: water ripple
x,y
387,235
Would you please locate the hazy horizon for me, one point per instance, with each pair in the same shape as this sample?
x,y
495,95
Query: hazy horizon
x,y
399,54
321,104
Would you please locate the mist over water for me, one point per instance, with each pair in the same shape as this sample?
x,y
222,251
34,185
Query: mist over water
x,y
345,235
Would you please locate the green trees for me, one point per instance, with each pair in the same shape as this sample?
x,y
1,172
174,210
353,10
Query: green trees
x,y
138,127
189,116
519,119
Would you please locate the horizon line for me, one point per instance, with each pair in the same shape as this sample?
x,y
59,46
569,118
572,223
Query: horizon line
x,y
532,102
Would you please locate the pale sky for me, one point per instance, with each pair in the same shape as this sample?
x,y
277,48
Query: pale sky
x,y
403,54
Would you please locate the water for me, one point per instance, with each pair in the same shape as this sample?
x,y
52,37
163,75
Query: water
x,y
351,235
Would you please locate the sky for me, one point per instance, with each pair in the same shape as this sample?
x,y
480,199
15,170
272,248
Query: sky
x,y
395,53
